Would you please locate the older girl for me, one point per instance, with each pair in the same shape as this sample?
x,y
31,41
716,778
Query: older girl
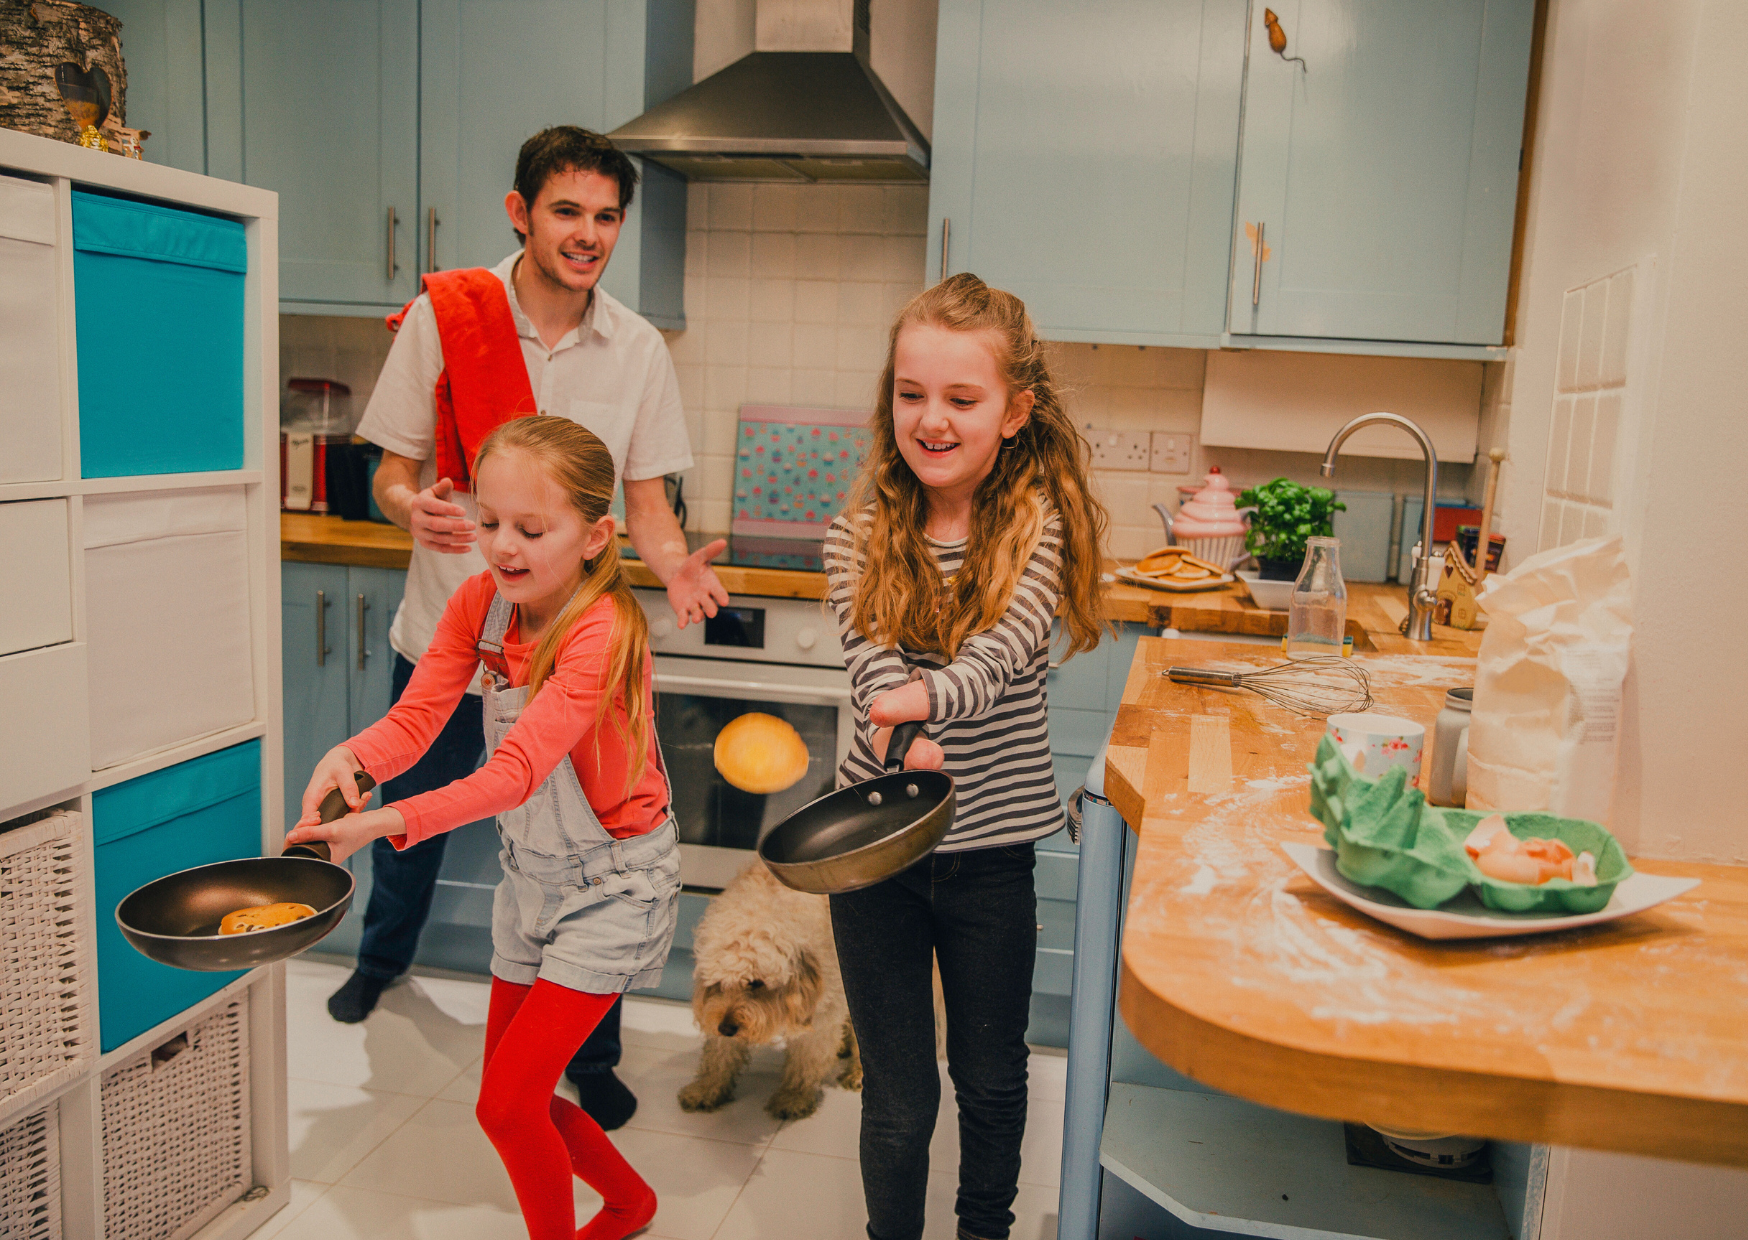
x,y
971,529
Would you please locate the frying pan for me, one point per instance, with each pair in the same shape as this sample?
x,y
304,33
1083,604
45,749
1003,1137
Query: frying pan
x,y
857,836
174,920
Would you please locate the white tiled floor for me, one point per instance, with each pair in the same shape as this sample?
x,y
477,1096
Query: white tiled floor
x,y
384,1145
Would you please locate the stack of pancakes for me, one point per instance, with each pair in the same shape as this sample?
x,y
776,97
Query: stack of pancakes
x,y
1176,566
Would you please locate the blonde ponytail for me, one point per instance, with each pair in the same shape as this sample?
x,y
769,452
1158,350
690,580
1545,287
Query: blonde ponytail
x,y
580,464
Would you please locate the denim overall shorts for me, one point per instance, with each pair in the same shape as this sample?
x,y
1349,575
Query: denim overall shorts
x,y
576,906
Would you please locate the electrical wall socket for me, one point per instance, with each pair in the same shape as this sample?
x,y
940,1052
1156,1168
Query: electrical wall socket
x,y
1170,453
1121,449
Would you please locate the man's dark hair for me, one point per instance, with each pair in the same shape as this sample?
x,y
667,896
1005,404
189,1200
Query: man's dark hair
x,y
571,148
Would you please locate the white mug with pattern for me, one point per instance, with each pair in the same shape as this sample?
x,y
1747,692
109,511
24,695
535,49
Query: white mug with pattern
x,y
1374,743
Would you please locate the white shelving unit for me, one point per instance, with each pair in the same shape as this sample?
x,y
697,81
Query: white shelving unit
x,y
50,718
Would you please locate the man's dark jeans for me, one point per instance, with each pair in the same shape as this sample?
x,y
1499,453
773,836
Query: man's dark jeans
x,y
977,912
404,880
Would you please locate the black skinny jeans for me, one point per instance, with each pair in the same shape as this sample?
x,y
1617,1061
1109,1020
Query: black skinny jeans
x,y
977,911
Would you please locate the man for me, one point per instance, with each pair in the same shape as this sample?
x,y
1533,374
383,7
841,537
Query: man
x,y
587,358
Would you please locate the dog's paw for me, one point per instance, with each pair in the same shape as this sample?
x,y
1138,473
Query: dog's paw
x,y
851,1077
794,1103
703,1095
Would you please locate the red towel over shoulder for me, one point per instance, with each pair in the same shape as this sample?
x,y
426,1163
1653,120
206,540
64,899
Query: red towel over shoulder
x,y
485,379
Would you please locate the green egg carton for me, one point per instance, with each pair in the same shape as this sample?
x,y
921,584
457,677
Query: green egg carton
x,y
1385,835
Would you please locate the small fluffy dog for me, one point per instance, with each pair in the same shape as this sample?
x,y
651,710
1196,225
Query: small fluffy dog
x,y
767,971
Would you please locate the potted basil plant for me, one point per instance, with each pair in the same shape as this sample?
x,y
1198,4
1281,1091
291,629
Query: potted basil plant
x,y
1286,515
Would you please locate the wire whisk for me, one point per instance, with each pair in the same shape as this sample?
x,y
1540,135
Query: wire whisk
x,y
1324,684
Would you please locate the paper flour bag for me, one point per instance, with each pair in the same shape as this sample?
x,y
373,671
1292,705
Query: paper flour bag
x,y
1546,722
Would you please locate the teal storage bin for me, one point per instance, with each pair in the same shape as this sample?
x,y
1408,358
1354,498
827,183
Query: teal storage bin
x,y
158,303
203,810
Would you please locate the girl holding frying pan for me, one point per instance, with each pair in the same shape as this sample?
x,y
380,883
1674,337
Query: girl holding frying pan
x,y
972,528
586,907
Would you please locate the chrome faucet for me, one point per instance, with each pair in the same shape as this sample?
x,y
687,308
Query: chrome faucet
x,y
1423,581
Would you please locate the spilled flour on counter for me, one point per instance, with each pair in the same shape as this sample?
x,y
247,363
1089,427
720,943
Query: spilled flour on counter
x,y
1202,883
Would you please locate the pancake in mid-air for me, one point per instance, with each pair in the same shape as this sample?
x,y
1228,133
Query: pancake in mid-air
x,y
761,753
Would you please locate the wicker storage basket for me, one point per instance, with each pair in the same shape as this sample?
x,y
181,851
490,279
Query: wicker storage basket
x,y
48,1008
176,1130
30,1177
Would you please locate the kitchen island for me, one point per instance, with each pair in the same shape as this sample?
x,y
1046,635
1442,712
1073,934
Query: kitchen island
x,y
1374,610
1242,974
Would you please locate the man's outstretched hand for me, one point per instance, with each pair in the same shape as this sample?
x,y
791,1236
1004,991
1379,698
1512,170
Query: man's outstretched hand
x,y
693,590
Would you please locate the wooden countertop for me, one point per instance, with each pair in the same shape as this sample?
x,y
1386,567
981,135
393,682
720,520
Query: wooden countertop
x,y
311,538
1239,972
1374,611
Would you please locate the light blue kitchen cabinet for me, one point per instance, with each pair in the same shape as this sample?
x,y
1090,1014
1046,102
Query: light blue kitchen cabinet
x,y
1083,158
337,664
162,45
318,100
475,113
1381,172
390,130
372,596
312,610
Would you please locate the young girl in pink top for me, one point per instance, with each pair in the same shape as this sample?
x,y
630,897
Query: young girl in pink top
x,y
591,861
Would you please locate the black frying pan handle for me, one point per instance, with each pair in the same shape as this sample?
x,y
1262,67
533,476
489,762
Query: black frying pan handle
x,y
333,806
899,743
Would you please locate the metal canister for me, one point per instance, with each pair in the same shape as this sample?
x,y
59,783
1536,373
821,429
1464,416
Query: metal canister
x,y
1447,782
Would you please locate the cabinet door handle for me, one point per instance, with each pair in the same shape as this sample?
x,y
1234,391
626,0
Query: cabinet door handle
x,y
322,650
362,652
431,239
946,240
1256,280
391,243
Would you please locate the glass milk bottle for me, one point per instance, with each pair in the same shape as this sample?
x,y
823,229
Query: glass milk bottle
x,y
1317,616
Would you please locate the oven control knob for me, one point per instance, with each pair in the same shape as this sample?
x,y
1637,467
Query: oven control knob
x,y
806,638
660,628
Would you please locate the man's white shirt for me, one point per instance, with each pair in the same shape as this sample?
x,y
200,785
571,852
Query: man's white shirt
x,y
612,374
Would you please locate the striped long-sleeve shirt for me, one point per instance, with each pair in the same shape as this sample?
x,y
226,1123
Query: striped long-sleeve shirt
x,y
987,707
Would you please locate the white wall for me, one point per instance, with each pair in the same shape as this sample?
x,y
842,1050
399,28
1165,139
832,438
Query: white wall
x,y
1641,161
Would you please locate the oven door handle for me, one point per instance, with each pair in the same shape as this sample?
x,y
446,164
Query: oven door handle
x,y
751,688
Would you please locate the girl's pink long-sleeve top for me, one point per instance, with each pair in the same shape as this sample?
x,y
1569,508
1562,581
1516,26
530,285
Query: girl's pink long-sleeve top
x,y
575,712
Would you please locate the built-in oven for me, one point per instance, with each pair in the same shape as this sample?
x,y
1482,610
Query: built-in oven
x,y
776,656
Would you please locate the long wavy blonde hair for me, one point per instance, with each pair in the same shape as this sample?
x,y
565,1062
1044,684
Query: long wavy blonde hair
x,y
576,459
900,597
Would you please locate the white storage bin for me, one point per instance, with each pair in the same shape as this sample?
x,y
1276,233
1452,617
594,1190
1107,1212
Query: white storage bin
x,y
45,747
176,1130
30,1177
167,616
30,360
36,608
48,981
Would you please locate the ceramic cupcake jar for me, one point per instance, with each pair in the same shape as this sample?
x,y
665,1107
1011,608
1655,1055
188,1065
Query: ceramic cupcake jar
x,y
1209,525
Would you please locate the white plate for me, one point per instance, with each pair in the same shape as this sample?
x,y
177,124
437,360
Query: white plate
x,y
1465,917
1134,578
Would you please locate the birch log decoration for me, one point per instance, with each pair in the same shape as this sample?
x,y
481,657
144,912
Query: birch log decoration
x,y
38,35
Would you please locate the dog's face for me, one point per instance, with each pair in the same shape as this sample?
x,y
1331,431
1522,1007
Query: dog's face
x,y
760,1002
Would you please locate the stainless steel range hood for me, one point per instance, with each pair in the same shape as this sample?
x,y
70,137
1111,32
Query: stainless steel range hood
x,y
815,114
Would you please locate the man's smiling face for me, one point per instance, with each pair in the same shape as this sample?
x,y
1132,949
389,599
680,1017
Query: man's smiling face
x,y
571,227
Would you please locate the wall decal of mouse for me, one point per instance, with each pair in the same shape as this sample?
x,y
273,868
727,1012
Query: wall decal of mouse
x,y
1278,40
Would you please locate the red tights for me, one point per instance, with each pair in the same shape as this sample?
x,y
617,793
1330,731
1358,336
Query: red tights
x,y
542,1138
